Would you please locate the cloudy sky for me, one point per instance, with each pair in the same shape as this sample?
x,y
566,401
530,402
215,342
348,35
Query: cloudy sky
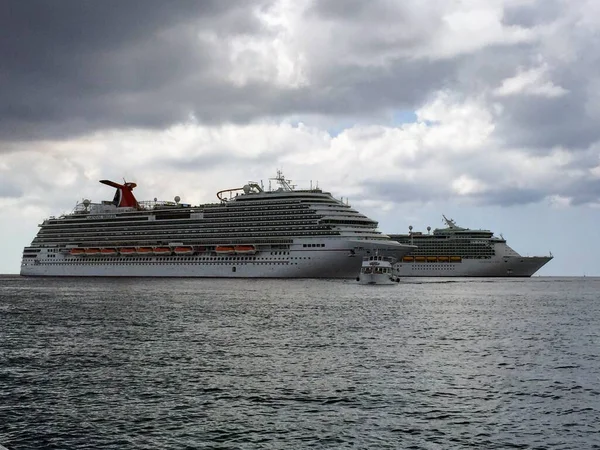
x,y
486,111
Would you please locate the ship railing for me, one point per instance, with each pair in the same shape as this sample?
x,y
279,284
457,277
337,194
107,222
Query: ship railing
x,y
152,204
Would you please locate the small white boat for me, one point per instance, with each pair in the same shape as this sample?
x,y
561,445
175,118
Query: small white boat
x,y
377,270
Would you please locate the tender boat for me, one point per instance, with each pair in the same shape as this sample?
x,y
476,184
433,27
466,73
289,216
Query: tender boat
x,y
377,270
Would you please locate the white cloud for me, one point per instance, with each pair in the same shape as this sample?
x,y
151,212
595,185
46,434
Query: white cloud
x,y
460,125
466,185
194,161
471,26
530,82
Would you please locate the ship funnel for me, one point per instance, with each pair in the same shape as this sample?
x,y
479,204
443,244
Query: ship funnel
x,y
124,196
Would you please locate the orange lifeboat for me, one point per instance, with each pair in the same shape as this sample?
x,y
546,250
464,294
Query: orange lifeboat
x,y
245,249
184,251
78,252
419,258
432,258
108,251
455,259
408,259
162,250
225,249
125,251
442,258
144,250
92,251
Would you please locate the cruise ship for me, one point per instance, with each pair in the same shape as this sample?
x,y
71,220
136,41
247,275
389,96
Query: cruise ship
x,y
250,232
461,252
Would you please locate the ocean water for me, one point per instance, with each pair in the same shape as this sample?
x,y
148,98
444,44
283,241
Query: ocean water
x,y
293,364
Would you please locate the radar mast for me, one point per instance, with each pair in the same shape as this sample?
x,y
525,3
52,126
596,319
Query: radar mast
x,y
283,183
451,223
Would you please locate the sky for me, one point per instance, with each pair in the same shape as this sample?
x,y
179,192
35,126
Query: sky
x,y
485,111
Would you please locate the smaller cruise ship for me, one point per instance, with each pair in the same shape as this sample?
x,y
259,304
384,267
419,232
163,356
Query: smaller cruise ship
x,y
461,252
377,270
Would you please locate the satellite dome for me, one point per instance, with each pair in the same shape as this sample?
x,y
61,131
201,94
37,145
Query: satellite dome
x,y
246,189
177,199
86,202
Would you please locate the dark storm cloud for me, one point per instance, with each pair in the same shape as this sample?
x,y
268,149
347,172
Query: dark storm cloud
x,y
569,119
583,191
541,123
75,66
509,196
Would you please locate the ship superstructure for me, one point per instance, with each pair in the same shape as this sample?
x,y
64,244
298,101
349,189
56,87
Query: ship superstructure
x,y
250,232
462,252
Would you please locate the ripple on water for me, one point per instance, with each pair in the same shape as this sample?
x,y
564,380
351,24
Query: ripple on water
x,y
299,363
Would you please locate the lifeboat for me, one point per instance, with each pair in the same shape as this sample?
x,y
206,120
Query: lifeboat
x,y
92,251
144,250
419,258
127,251
245,249
408,259
77,251
442,258
184,250
455,259
225,249
108,251
432,258
161,250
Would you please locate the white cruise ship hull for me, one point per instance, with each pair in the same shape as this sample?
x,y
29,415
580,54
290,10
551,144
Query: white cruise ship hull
x,y
338,259
512,266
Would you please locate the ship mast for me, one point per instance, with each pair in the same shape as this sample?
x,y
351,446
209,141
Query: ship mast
x,y
285,184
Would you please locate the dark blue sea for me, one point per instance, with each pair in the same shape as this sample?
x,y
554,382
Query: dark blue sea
x,y
294,364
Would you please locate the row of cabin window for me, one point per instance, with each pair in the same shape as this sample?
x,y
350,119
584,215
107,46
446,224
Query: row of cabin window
x,y
120,263
134,259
